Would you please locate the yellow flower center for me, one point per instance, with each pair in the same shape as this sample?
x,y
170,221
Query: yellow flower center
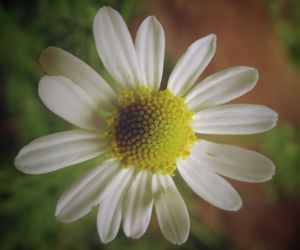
x,y
150,132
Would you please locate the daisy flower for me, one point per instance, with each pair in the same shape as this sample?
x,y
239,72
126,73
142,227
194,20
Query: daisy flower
x,y
148,134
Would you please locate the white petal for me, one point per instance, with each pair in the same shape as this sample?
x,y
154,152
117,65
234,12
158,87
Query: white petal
x,y
235,119
171,211
85,193
56,61
191,65
233,162
138,206
110,210
210,186
150,46
115,48
221,87
59,150
68,101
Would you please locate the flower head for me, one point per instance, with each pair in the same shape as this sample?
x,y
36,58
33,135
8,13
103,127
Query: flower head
x,y
147,132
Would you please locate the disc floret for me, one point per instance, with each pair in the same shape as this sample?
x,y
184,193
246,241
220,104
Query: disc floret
x,y
151,131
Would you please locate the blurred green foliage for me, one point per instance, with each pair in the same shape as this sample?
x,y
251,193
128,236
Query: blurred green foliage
x,y
286,17
282,144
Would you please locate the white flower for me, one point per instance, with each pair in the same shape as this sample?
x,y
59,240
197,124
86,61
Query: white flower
x,y
147,133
